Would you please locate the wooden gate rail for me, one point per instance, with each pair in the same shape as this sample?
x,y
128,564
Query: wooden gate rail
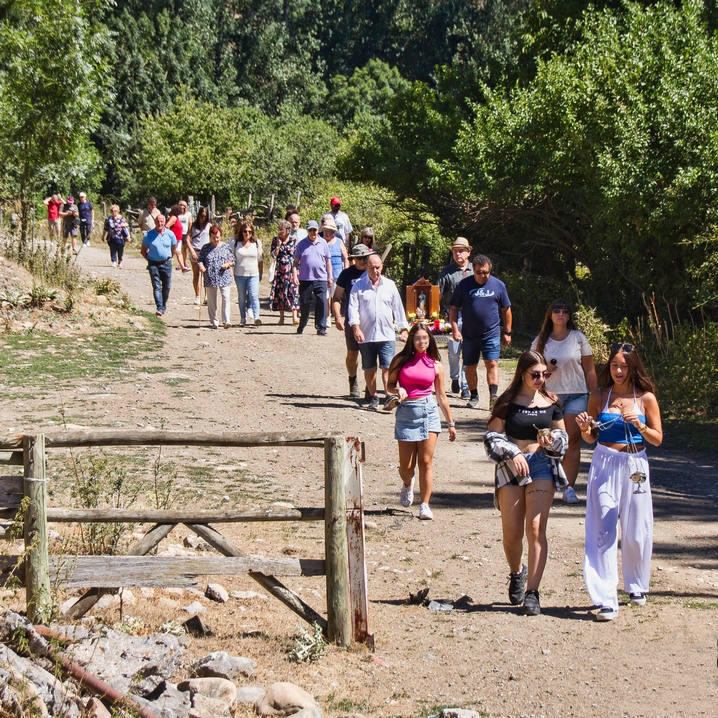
x,y
345,570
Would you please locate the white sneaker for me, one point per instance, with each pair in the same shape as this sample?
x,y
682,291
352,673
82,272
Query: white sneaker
x,y
196,301
606,614
637,599
425,512
406,495
569,496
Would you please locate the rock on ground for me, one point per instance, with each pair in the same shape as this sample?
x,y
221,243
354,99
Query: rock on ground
x,y
137,663
284,699
217,592
459,713
220,664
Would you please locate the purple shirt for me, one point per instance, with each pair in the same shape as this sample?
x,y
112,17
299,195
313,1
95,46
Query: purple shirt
x,y
312,260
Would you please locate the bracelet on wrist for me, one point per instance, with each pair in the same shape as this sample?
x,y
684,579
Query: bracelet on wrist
x,y
451,424
642,428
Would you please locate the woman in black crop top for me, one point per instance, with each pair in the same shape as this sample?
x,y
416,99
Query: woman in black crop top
x,y
526,413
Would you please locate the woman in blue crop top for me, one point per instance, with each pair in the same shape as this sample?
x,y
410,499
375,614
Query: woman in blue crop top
x,y
526,412
623,415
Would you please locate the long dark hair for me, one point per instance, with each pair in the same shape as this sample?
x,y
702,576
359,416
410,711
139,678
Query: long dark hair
x,y
547,326
526,361
202,212
409,349
636,371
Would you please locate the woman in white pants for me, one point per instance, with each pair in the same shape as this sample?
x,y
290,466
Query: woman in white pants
x,y
623,416
215,262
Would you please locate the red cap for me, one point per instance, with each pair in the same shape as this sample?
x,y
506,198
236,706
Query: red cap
x,y
335,200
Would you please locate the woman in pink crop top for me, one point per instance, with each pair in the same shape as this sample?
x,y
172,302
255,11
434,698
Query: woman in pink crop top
x,y
413,373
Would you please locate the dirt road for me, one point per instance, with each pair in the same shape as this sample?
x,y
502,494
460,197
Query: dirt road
x,y
659,660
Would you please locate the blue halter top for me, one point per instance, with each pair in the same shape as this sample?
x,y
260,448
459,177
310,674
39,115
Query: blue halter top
x,y
612,429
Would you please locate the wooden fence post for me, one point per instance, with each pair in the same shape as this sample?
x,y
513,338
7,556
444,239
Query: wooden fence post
x,y
37,574
339,620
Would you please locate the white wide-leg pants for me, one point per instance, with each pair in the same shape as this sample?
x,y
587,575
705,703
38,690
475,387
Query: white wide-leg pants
x,y
212,293
610,499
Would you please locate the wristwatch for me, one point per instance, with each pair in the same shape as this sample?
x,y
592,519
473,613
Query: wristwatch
x,y
507,333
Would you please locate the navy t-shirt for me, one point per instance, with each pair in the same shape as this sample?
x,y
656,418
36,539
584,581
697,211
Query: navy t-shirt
x,y
480,305
85,210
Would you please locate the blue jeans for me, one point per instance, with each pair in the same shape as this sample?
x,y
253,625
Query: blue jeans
x,y
456,370
161,278
248,289
313,292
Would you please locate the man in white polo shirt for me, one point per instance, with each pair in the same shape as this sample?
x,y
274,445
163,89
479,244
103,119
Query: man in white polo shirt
x,y
374,306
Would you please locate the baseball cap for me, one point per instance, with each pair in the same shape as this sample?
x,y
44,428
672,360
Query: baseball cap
x,y
335,200
312,224
367,232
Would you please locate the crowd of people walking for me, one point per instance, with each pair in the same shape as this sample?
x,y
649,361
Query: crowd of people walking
x,y
554,401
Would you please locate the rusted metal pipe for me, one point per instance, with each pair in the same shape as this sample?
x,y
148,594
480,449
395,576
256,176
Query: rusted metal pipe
x,y
95,684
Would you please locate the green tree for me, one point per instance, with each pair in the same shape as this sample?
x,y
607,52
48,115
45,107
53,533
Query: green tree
x,y
53,82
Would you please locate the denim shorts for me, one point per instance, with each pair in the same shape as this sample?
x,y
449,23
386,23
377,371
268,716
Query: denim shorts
x,y
474,349
371,351
539,465
573,403
416,418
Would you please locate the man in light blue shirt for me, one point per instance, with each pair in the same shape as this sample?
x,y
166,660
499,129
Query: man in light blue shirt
x,y
374,306
158,246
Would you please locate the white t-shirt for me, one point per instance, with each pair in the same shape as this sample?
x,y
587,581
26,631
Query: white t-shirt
x,y
246,259
567,375
184,221
199,237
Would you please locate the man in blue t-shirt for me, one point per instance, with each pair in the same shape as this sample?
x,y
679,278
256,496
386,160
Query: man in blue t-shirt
x,y
87,218
484,305
158,246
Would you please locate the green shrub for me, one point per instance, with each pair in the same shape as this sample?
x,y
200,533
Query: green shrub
x,y
596,331
687,374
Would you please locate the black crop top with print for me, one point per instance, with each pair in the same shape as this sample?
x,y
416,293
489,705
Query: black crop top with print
x,y
523,421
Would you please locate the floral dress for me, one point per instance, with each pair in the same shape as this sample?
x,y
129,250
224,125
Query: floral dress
x,y
284,294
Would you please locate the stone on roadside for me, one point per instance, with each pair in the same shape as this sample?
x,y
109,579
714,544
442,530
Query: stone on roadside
x,y
308,712
196,542
219,664
218,693
194,608
459,713
250,694
109,600
128,598
284,698
95,708
216,592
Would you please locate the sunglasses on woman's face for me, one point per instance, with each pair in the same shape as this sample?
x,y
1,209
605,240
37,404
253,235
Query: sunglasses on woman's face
x,y
625,348
536,375
560,310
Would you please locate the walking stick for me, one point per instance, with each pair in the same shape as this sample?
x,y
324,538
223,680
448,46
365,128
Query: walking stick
x,y
199,308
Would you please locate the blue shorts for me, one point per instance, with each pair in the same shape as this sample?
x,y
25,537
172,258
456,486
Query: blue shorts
x,y
474,349
539,465
573,403
371,351
416,418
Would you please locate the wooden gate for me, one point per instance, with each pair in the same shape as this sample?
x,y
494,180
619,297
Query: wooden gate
x,y
343,515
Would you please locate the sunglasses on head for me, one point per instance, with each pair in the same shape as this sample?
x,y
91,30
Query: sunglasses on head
x,y
625,348
536,375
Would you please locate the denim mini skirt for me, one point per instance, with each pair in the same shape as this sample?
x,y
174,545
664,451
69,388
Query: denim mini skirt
x,y
416,418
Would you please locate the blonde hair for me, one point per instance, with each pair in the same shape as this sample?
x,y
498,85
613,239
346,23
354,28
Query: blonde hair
x,y
114,206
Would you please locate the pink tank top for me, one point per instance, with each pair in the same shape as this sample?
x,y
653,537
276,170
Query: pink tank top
x,y
417,376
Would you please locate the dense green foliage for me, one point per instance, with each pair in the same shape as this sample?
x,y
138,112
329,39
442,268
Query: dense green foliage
x,y
231,152
51,92
606,158
572,140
